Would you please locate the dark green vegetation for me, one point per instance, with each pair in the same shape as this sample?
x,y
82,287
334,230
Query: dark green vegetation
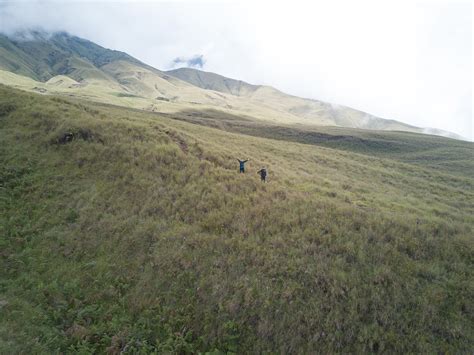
x,y
123,230
41,56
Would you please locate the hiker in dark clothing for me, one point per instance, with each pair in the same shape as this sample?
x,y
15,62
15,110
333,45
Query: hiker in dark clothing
x,y
242,165
263,174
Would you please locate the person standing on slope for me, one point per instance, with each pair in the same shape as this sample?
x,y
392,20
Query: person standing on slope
x,y
242,165
263,174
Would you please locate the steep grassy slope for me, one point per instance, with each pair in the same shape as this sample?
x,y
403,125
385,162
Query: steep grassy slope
x,y
319,112
312,111
106,75
43,56
13,59
215,82
49,55
124,230
129,85
442,154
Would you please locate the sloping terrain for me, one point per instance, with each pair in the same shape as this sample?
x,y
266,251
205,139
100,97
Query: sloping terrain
x,y
216,82
113,73
312,111
42,56
115,77
129,231
442,154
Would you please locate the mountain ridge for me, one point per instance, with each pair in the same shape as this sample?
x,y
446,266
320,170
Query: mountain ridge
x,y
209,81
109,75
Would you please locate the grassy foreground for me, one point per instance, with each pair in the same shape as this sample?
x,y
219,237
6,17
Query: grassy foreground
x,y
129,231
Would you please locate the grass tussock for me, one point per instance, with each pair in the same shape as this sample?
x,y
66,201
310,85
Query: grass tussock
x,y
141,236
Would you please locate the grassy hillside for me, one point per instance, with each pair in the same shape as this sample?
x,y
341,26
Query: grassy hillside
x,y
306,110
215,82
42,56
443,154
106,74
123,230
126,84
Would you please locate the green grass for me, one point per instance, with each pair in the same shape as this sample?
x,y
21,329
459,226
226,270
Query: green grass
x,y
139,235
44,56
443,154
111,77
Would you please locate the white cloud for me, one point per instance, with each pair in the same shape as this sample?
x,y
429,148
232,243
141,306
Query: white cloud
x,y
196,61
404,60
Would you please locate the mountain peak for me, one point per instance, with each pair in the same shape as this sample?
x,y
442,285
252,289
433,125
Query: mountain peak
x,y
29,35
41,56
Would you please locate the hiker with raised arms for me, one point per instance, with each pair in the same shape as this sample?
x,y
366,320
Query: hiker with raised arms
x,y
242,165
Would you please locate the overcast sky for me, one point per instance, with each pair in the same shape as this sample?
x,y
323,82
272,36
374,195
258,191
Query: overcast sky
x,y
403,60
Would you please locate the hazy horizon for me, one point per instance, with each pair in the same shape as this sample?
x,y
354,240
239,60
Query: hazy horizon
x,y
409,62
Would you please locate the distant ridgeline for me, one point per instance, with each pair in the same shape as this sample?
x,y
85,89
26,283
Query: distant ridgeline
x,y
34,60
